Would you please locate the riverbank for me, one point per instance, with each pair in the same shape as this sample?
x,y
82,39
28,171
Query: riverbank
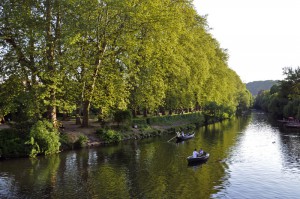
x,y
14,140
74,131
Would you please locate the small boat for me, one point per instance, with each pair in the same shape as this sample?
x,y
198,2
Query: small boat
x,y
200,159
293,124
283,121
185,137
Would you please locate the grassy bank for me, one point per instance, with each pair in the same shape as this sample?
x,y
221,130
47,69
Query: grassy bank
x,y
16,142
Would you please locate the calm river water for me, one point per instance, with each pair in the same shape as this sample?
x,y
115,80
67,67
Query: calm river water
x,y
249,158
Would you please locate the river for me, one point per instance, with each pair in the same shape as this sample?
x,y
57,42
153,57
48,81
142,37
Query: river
x,y
249,158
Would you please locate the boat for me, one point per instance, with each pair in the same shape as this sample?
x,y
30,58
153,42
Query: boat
x,y
283,121
185,137
293,125
200,159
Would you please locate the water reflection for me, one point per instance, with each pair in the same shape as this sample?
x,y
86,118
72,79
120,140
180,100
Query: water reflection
x,y
249,158
291,153
256,164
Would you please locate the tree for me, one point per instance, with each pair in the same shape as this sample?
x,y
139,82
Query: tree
x,y
95,44
290,86
30,36
149,53
110,56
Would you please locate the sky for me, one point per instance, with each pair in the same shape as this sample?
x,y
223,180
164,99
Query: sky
x,y
261,36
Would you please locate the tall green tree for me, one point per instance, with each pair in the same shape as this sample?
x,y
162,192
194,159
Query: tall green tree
x,y
96,33
30,38
149,57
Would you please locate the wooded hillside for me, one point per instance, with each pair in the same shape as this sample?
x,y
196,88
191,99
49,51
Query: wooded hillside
x,y
257,86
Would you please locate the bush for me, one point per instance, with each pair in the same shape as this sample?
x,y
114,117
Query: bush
x,y
23,127
44,139
139,122
81,142
65,142
197,118
124,117
109,135
12,144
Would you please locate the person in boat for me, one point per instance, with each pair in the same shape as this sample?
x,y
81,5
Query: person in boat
x,y
182,134
178,134
195,153
201,152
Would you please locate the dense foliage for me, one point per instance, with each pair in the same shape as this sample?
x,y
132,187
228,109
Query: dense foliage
x,y
12,144
283,99
123,117
81,142
68,56
109,135
115,58
44,139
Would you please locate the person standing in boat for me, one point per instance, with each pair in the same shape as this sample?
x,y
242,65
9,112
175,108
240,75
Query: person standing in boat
x,y
195,153
182,134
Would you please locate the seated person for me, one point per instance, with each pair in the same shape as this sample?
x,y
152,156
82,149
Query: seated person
x,y
195,153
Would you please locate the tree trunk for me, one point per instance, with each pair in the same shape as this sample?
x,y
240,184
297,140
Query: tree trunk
x,y
50,40
78,120
85,112
89,91
145,112
138,112
134,113
52,110
2,120
78,115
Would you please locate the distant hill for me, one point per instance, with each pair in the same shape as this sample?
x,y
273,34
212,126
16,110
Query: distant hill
x,y
256,86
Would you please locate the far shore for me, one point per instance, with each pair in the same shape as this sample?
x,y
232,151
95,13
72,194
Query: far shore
x,y
74,131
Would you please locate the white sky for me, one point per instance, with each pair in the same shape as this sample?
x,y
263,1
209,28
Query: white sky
x,y
262,36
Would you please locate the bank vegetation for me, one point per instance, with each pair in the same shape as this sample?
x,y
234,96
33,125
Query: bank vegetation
x,y
74,58
282,101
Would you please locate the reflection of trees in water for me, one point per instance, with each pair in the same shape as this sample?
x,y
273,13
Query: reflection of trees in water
x,y
261,118
289,138
24,178
219,139
290,150
137,169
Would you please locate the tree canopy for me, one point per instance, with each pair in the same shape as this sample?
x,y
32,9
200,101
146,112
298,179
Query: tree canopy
x,y
283,98
66,56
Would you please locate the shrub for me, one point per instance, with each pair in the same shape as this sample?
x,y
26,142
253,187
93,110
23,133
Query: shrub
x,y
109,135
139,122
170,119
81,142
124,117
65,142
23,127
44,139
12,144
